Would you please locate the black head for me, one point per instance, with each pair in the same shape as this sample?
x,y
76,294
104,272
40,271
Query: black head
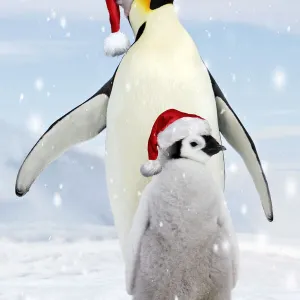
x,y
198,148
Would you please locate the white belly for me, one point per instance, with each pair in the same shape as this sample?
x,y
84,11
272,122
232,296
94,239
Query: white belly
x,y
142,90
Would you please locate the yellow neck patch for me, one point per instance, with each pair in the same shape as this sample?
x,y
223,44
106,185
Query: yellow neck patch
x,y
144,4
139,12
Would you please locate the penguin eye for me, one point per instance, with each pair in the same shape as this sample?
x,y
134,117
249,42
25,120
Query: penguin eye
x,y
194,144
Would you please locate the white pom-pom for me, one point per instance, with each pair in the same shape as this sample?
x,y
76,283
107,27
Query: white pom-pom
x,y
116,44
151,168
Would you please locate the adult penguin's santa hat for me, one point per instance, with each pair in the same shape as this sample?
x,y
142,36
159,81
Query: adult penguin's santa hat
x,y
170,127
117,42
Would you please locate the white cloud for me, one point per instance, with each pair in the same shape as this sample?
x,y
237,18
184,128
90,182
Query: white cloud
x,y
277,14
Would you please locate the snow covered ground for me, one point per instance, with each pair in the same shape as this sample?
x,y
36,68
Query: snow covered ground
x,y
86,264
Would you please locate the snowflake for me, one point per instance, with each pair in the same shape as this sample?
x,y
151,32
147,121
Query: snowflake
x,y
39,84
244,209
216,248
265,166
208,33
288,29
53,14
233,77
225,245
103,28
290,187
61,186
21,97
233,168
68,34
161,224
279,79
63,22
57,201
35,124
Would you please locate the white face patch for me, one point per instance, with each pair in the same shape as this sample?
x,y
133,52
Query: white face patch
x,y
192,148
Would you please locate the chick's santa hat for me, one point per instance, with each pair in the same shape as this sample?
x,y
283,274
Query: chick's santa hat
x,y
117,42
170,127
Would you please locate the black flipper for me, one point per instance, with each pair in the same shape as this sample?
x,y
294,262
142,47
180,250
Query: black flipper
x,y
80,124
237,136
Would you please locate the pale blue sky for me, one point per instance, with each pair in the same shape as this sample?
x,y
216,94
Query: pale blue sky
x,y
243,50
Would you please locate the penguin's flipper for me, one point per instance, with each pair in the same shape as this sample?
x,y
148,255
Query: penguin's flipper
x,y
237,136
139,226
80,124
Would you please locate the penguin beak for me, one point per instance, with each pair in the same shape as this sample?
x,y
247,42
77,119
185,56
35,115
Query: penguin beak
x,y
212,146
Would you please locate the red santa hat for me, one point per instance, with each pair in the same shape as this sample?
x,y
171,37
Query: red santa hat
x,y
170,127
117,42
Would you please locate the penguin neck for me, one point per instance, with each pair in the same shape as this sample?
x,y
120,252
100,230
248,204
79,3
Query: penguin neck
x,y
157,21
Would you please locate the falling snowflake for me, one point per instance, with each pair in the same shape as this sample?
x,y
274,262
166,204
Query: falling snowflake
x,y
57,201
290,187
68,34
233,168
279,78
208,33
103,28
35,124
48,94
61,186
39,84
244,209
21,97
216,248
233,77
161,224
63,22
265,166
288,29
225,245
53,14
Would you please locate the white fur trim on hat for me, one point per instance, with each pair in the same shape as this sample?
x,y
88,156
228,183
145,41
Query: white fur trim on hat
x,y
182,128
116,44
151,168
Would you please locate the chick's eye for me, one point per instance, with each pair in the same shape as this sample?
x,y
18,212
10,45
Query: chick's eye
x,y
194,144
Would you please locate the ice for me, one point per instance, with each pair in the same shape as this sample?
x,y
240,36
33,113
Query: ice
x,y
88,268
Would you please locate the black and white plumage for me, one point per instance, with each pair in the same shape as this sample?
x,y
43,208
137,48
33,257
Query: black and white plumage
x,y
182,243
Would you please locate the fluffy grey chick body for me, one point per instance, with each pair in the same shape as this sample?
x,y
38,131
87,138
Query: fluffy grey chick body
x,y
182,244
188,249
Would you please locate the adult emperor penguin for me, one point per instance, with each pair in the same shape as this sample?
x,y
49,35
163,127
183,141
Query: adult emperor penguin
x,y
161,70
182,241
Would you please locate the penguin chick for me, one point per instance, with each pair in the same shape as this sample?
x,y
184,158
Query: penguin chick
x,y
182,244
